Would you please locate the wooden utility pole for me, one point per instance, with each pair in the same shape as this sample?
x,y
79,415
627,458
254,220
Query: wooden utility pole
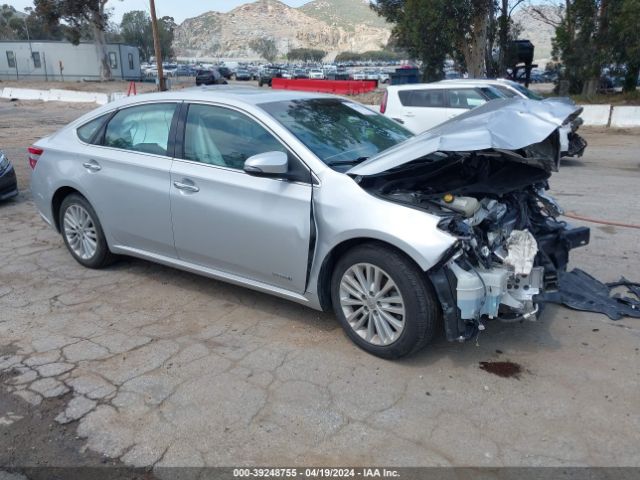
x,y
156,45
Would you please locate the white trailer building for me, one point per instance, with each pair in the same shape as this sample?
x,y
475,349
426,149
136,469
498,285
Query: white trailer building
x,y
63,61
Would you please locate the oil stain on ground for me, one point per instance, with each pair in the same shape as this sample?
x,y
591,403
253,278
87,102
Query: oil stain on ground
x,y
502,369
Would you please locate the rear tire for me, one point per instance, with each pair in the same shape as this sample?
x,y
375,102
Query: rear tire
x,y
82,233
399,321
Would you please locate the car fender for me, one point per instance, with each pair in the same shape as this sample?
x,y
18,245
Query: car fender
x,y
410,230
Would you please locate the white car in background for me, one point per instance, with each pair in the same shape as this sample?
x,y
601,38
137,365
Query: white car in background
x,y
422,106
383,77
316,74
571,144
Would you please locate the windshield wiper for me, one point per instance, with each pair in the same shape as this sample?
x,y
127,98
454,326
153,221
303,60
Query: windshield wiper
x,y
355,161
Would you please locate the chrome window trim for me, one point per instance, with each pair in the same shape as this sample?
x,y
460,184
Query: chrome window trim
x,y
259,122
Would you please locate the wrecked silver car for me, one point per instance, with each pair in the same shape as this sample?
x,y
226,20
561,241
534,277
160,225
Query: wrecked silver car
x,y
485,175
320,200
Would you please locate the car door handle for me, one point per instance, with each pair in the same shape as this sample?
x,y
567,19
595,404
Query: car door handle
x,y
92,166
187,187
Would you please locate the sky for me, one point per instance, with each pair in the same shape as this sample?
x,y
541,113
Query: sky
x,y
178,9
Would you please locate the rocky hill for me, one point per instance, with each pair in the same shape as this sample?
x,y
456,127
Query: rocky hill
x,y
331,25
344,14
534,29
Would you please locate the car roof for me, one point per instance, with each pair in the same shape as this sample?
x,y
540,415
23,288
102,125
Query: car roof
x,y
237,95
478,81
419,86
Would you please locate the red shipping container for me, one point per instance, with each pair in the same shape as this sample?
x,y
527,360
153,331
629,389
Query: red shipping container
x,y
340,87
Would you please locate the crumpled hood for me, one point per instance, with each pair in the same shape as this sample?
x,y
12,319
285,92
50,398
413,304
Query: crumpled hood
x,y
504,125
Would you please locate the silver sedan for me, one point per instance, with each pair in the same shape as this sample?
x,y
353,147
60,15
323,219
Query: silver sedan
x,y
320,200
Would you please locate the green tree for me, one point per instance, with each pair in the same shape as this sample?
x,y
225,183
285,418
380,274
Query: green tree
x,y
306,55
424,28
265,47
466,30
135,29
16,25
369,56
625,21
584,42
166,30
79,15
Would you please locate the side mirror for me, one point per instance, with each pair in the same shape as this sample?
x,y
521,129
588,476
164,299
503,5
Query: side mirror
x,y
268,164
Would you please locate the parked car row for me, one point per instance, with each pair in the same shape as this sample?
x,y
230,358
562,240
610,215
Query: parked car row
x,y
246,72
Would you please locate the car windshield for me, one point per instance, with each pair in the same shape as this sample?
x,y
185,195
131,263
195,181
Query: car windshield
x,y
337,131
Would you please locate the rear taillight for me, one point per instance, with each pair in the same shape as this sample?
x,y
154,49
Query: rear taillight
x,y
34,156
383,105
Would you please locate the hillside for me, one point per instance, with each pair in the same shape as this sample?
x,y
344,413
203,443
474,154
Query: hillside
x,y
534,29
331,25
346,14
215,34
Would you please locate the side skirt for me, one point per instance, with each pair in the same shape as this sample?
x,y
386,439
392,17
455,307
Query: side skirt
x,y
215,274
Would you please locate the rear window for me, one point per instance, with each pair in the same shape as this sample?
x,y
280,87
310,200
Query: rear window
x,y
491,93
526,92
422,98
507,92
87,132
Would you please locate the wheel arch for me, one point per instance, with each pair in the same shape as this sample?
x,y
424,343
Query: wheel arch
x,y
331,258
56,202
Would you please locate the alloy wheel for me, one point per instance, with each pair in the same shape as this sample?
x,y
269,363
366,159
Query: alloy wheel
x,y
372,304
80,232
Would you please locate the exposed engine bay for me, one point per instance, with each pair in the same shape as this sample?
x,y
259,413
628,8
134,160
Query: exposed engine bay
x,y
511,244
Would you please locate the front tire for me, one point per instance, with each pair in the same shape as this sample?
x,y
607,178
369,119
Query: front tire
x,y
82,233
383,300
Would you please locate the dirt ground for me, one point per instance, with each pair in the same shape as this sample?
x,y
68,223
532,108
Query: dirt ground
x,y
102,87
146,366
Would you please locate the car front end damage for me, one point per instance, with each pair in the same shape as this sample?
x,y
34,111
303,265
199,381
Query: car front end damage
x,y
511,244
508,255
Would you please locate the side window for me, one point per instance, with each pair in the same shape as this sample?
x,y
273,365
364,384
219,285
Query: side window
x,y
36,60
113,60
224,137
87,132
131,61
144,128
11,59
422,98
467,98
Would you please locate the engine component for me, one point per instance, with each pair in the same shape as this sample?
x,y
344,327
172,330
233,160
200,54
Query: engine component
x,y
467,206
522,248
479,292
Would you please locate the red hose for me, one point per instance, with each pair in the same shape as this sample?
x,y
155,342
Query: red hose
x,y
602,222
